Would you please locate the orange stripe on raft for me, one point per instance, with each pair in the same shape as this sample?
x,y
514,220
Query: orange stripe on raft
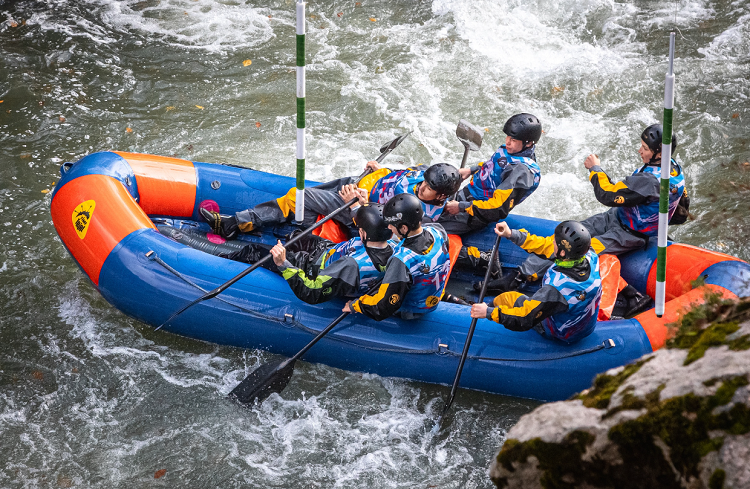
x,y
115,216
454,248
166,186
656,328
685,263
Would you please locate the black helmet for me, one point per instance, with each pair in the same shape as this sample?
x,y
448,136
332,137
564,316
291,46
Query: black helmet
x,y
403,209
443,178
573,238
652,136
524,127
370,218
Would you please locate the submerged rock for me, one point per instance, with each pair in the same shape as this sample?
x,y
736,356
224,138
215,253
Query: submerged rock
x,y
677,418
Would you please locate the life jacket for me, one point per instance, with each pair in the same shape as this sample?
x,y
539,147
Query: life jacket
x,y
401,182
484,183
429,272
355,249
644,218
583,301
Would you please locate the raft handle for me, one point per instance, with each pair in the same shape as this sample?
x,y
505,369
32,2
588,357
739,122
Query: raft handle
x,y
609,343
288,317
65,167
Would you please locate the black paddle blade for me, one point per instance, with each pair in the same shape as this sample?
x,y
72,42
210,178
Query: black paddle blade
x,y
390,146
469,135
263,381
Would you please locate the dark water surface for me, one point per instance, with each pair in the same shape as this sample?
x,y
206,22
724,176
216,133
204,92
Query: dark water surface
x,y
91,398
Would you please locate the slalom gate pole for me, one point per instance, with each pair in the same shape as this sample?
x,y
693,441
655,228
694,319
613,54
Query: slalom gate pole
x,y
299,210
666,167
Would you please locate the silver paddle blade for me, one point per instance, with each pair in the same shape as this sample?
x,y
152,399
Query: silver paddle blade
x,y
469,135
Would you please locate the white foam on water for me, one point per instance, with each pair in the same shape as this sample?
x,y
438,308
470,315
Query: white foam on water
x,y
200,24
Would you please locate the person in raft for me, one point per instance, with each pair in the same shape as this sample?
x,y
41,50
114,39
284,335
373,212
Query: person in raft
x,y
416,274
432,185
508,178
566,306
318,270
632,219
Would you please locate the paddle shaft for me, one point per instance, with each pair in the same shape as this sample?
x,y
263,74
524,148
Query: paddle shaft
x,y
465,353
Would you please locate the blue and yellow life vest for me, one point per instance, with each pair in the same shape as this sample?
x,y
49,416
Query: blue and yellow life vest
x,y
355,249
429,272
402,182
644,218
583,302
484,183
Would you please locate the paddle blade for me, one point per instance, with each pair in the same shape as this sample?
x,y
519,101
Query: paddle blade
x,y
469,135
390,146
263,381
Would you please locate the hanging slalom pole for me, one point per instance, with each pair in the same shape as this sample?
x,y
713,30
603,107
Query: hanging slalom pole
x,y
666,167
299,210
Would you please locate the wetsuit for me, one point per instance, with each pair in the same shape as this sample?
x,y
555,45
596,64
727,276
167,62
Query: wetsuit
x,y
384,184
496,187
565,307
414,280
323,199
634,214
319,270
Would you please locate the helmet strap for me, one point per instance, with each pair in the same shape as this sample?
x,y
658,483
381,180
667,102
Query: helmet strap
x,y
569,263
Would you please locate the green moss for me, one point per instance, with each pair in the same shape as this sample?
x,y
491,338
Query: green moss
x,y
558,461
683,424
605,385
716,481
714,335
741,343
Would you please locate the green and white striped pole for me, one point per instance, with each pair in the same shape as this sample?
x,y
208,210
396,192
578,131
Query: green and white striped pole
x,y
666,167
299,210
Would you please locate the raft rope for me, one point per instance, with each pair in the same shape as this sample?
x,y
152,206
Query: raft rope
x,y
154,257
440,350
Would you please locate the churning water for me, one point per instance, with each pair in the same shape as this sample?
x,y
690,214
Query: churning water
x,y
91,398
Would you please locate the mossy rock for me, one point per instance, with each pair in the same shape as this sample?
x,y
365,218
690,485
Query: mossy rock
x,y
661,422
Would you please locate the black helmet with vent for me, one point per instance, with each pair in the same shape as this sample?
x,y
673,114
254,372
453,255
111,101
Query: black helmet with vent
x,y
572,238
369,217
404,209
524,127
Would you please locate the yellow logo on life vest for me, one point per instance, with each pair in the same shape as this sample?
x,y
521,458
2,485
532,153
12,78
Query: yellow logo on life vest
x,y
619,199
394,299
82,217
432,301
510,205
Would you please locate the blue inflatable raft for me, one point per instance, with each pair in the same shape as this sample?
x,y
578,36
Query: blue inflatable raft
x,y
107,208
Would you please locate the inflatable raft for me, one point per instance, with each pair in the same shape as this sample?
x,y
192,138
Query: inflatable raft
x,y
108,209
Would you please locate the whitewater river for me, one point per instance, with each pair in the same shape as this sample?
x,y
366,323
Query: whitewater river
x,y
91,398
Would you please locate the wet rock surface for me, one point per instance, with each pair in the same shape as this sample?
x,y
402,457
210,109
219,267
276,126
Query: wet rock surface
x,y
677,418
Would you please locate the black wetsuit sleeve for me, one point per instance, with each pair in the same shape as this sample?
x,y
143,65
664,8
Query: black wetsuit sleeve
x,y
634,190
505,197
382,304
340,278
518,312
681,214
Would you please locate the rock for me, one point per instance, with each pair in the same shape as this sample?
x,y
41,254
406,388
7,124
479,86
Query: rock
x,y
676,418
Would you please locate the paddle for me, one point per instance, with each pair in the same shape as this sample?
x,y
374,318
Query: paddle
x,y
384,151
275,375
465,353
470,137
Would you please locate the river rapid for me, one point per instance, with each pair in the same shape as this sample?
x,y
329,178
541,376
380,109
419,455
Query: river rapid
x,y
92,398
